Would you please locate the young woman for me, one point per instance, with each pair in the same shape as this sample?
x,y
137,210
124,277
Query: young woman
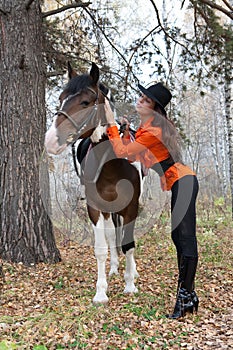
x,y
156,146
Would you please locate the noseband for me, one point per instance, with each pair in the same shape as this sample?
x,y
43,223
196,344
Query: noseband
x,y
69,118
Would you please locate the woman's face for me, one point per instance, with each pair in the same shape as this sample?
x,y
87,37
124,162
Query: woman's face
x,y
144,105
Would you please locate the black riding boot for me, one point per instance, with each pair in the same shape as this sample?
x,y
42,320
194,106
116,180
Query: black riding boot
x,y
187,299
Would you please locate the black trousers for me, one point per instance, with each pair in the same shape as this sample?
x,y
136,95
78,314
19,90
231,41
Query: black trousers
x,y
183,215
183,220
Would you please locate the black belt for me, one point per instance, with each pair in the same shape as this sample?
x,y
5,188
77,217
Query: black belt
x,y
163,166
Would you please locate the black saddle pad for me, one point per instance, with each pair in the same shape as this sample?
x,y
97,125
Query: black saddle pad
x,y
82,149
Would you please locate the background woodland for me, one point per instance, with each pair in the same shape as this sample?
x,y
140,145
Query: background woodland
x,y
188,45
185,44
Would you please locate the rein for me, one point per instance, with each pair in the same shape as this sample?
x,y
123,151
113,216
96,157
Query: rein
x,y
75,160
112,104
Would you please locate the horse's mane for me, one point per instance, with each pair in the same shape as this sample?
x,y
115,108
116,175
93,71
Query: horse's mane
x,y
81,82
78,83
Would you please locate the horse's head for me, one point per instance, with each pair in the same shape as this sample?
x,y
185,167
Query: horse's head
x,y
81,110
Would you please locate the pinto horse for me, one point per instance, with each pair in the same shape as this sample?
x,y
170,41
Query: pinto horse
x,y
112,185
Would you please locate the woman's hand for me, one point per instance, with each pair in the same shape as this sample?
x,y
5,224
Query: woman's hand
x,y
124,128
124,121
109,113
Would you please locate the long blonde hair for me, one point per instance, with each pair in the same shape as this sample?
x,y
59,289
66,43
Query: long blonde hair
x,y
170,136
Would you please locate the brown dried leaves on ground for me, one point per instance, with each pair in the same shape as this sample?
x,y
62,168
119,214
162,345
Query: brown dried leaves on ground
x,y
50,306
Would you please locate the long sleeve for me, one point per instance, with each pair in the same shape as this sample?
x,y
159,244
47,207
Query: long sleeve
x,y
147,148
124,148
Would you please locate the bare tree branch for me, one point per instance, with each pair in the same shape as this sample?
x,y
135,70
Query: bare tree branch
x,y
228,5
218,7
109,41
64,8
165,32
197,10
128,67
133,53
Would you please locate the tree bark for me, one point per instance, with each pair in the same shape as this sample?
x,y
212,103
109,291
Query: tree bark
x,y
229,105
26,233
229,118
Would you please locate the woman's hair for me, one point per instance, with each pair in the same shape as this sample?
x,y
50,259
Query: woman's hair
x,y
171,137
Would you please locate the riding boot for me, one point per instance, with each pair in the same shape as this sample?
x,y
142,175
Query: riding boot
x,y
187,299
195,300
182,270
179,257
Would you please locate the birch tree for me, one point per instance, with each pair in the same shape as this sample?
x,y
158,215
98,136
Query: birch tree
x,y
218,18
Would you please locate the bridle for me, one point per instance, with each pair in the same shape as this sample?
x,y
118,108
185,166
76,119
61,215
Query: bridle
x,y
79,128
69,118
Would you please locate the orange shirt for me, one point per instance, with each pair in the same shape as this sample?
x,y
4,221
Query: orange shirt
x,y
148,149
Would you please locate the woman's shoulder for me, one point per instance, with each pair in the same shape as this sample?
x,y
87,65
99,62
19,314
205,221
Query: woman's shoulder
x,y
155,132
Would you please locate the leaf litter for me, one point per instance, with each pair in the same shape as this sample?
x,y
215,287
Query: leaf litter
x,y
50,306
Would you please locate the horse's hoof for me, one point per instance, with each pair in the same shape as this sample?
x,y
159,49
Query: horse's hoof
x,y
113,271
130,290
100,299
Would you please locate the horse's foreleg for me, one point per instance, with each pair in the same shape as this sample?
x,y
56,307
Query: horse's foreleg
x,y
110,232
101,252
130,272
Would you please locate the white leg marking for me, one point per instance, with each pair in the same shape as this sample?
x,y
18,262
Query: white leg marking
x,y
111,236
101,252
130,272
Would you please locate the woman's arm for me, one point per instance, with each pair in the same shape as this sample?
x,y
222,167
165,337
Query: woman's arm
x,y
138,150
121,149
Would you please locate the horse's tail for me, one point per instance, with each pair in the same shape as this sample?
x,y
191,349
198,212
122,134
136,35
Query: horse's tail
x,y
118,223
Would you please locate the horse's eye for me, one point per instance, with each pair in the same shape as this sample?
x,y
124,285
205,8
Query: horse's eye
x,y
84,103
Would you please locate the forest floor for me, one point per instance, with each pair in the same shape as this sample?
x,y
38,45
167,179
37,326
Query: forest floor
x,y
50,306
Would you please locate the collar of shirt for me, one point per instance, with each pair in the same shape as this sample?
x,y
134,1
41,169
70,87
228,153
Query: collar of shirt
x,y
144,126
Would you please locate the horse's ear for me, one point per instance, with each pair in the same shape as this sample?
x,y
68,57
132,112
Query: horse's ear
x,y
71,72
94,73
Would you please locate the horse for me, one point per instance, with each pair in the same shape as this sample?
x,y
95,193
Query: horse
x,y
112,185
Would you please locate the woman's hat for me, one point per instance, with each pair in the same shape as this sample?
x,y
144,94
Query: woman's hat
x,y
158,93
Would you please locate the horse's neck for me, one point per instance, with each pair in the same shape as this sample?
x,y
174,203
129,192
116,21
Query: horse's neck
x,y
103,149
97,156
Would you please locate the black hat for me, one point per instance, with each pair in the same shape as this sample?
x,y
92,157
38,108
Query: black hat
x,y
158,93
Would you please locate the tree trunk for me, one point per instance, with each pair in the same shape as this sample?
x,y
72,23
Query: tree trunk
x,y
26,233
229,115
